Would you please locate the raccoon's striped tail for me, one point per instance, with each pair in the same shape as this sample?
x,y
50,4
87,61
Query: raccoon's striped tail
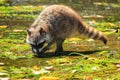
x,y
91,32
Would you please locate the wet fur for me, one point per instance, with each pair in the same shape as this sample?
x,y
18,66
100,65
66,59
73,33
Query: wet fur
x,y
57,22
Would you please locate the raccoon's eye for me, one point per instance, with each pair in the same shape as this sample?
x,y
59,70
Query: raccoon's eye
x,y
41,44
33,45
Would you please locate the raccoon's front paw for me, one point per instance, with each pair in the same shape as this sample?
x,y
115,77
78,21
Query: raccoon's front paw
x,y
41,54
58,53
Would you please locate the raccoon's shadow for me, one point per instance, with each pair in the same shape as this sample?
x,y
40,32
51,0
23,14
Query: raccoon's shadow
x,y
68,53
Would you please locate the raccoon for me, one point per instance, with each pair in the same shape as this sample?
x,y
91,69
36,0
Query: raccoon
x,y
54,24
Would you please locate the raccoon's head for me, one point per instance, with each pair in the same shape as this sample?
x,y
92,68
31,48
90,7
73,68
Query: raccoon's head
x,y
36,38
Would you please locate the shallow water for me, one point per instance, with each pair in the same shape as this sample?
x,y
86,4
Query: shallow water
x,y
88,10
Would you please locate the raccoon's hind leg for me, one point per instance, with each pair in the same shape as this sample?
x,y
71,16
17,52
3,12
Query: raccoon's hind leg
x,y
59,47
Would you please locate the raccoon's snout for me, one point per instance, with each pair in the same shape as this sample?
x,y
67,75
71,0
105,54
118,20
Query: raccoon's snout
x,y
36,51
37,48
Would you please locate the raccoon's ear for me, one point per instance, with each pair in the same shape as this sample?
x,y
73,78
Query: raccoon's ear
x,y
29,33
42,32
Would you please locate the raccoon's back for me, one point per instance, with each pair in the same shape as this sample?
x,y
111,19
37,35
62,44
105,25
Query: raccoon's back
x,y
55,14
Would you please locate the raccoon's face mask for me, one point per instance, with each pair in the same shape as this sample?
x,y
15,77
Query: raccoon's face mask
x,y
36,38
